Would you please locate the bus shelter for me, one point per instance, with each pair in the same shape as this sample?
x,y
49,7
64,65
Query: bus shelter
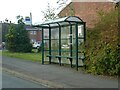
x,y
62,41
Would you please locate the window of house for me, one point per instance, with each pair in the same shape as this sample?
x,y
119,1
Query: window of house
x,y
33,32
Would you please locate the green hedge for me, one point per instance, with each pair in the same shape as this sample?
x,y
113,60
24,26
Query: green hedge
x,y
103,45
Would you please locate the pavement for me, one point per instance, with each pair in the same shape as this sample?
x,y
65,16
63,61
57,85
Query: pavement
x,y
55,76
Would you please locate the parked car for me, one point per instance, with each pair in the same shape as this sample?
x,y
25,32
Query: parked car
x,y
2,45
36,45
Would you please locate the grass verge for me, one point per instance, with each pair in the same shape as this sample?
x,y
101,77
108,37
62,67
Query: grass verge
x,y
36,57
0,52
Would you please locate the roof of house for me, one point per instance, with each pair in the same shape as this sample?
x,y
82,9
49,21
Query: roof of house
x,y
79,1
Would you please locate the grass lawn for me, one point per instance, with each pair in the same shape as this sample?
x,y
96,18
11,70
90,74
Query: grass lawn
x,y
36,57
0,52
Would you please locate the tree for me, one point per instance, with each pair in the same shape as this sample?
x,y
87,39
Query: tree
x,y
6,20
17,38
49,13
63,3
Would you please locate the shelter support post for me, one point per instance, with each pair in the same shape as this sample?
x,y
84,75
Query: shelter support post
x,y
49,44
71,43
42,46
59,43
76,46
84,32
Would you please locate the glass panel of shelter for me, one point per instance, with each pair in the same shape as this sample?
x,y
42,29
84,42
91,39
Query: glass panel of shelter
x,y
65,44
81,42
54,44
46,43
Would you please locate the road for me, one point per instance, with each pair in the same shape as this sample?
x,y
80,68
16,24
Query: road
x,y
11,81
56,76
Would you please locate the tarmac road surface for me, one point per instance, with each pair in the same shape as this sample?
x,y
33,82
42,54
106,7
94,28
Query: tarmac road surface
x,y
11,81
58,76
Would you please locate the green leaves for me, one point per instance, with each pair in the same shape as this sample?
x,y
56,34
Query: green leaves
x,y
17,38
102,46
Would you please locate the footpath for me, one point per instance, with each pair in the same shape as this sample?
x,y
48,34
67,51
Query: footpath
x,y
55,76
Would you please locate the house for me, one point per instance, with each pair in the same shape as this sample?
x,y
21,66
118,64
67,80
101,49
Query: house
x,y
3,31
87,11
35,34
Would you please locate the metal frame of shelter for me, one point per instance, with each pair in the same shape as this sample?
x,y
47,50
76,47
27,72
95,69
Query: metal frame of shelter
x,y
71,27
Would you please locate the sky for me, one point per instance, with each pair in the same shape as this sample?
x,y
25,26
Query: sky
x,y
11,8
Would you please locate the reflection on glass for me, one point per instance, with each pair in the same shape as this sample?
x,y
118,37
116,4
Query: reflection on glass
x,y
80,31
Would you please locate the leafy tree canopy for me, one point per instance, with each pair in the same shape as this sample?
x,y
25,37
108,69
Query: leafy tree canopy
x,y
17,38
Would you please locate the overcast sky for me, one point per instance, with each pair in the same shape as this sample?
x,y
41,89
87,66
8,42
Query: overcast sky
x,y
11,8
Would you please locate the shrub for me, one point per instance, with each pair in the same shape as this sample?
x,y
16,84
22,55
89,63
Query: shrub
x,y
103,46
